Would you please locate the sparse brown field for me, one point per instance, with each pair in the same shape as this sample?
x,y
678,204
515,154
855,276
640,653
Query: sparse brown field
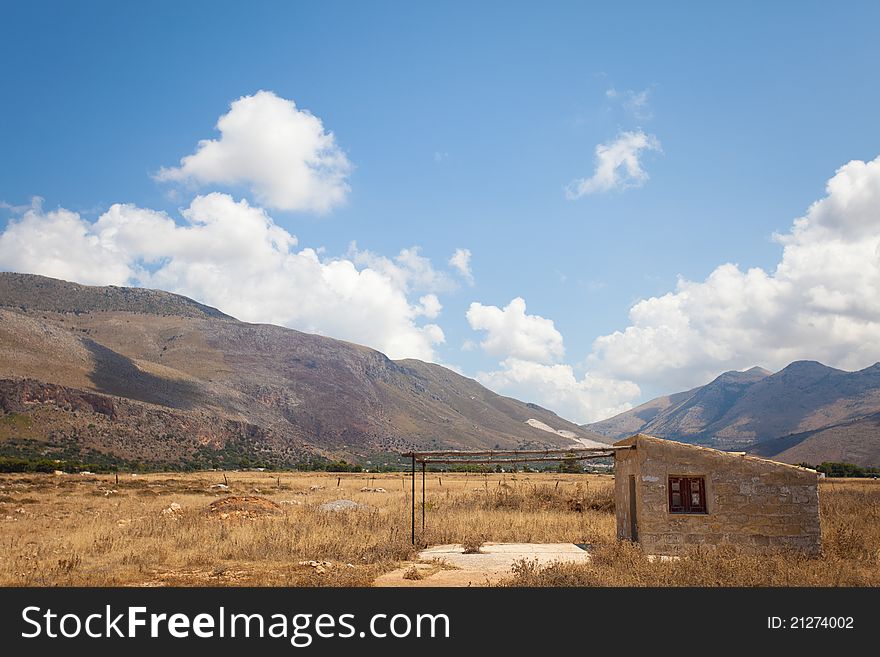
x,y
86,530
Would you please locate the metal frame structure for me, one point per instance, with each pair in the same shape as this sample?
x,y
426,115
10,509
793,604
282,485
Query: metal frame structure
x,y
456,457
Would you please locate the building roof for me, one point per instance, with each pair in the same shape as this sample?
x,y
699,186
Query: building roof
x,y
643,437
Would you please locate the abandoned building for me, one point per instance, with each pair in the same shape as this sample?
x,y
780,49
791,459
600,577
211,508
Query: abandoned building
x,y
670,496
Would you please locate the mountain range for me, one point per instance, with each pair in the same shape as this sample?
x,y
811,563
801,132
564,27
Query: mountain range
x,y
136,376
805,413
130,375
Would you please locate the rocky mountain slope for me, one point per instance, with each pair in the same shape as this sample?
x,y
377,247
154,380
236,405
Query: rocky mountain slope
x,y
144,375
806,412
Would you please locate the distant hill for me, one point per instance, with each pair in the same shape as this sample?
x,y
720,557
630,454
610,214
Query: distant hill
x,y
145,375
28,291
806,412
635,420
856,441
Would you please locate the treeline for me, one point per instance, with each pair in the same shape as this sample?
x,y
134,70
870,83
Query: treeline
x,y
16,464
836,469
11,464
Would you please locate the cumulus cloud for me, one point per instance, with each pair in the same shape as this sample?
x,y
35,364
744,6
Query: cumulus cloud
x,y
59,244
233,256
511,333
429,306
531,348
558,388
409,269
618,165
461,262
283,153
821,302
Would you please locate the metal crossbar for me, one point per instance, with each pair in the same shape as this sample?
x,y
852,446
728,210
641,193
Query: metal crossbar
x,y
419,456
488,457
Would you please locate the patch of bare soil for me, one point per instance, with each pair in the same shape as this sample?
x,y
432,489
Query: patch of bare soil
x,y
243,507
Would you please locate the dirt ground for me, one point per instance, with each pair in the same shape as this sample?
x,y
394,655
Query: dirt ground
x,y
452,565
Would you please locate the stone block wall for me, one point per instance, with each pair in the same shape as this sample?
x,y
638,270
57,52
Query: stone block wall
x,y
755,504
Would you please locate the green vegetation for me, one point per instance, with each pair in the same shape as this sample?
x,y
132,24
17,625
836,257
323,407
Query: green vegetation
x,y
570,465
11,464
29,455
340,466
835,469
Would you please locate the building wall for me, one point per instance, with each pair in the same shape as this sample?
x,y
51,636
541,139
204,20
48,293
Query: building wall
x,y
754,504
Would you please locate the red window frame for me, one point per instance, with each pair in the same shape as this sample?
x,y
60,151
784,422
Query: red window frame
x,y
687,494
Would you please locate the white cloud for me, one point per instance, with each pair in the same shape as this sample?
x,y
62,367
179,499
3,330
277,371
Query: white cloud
x,y
410,270
429,306
511,333
59,244
821,302
557,387
232,255
530,349
461,262
618,165
283,153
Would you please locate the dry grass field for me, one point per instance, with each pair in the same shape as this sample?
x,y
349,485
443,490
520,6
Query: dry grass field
x,y
179,530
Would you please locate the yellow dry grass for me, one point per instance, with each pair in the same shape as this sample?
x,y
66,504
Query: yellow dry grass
x,y
72,530
850,518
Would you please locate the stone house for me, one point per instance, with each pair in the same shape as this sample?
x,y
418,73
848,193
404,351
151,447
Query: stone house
x,y
670,496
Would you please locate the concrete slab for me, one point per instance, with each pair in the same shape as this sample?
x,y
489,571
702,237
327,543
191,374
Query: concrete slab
x,y
447,565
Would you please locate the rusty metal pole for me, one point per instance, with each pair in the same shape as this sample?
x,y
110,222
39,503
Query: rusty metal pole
x,y
413,499
423,497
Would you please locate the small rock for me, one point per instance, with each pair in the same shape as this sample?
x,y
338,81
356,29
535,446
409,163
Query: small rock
x,y
316,488
365,489
20,510
319,566
58,473
173,510
220,487
341,505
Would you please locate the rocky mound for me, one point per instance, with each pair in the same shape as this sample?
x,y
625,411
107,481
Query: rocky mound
x,y
243,507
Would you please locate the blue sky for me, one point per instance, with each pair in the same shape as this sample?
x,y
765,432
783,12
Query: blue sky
x,y
464,123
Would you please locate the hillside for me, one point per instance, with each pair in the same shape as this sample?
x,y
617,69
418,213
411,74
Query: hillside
x,y
857,441
806,412
707,409
146,375
636,419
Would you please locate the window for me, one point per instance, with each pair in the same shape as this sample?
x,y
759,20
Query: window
x,y
687,495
